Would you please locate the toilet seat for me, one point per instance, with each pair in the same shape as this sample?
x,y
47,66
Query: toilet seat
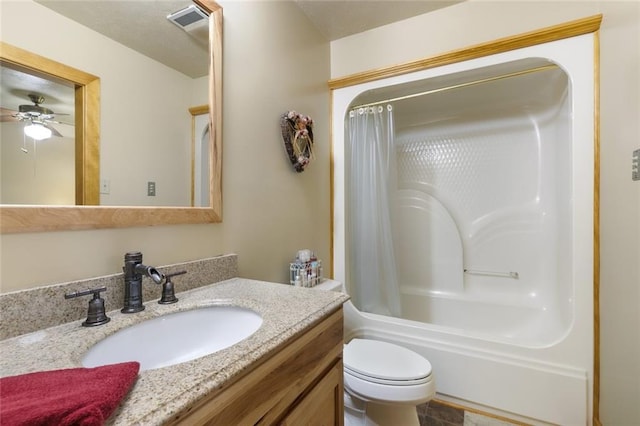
x,y
386,373
385,363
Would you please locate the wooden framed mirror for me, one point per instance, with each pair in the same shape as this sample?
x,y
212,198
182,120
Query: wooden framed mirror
x,y
39,218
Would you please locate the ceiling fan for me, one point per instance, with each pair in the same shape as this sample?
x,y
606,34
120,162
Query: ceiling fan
x,y
36,114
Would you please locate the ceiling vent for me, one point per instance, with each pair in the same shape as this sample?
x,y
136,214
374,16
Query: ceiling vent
x,y
190,19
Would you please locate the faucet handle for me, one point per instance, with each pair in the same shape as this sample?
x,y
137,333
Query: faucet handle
x,y
96,312
168,291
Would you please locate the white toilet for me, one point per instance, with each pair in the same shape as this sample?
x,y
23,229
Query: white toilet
x,y
383,382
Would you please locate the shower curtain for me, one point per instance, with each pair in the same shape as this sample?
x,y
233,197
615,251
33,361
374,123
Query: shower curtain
x,y
370,185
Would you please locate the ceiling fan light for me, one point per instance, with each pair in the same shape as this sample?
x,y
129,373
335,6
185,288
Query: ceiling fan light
x,y
37,131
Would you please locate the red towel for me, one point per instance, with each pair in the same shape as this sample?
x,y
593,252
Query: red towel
x,y
76,396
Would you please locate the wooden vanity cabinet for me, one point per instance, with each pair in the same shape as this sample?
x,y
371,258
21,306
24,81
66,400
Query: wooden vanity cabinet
x,y
323,405
300,384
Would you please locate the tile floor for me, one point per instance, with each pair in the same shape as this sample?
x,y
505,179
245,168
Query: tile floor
x,y
437,414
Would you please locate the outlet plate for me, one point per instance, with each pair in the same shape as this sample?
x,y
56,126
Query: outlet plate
x,y
635,165
151,189
105,186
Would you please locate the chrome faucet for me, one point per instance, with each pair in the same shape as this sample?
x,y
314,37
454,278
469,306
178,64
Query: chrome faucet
x,y
133,271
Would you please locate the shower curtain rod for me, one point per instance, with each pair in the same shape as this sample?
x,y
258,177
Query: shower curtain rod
x,y
458,86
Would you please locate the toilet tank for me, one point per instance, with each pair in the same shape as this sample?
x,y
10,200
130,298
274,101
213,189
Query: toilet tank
x,y
354,322
331,285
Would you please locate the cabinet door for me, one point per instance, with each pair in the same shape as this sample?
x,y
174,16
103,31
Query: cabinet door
x,y
323,405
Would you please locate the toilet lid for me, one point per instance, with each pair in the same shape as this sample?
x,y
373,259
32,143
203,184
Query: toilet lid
x,y
381,360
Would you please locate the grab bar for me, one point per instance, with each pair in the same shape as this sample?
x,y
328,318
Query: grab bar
x,y
511,274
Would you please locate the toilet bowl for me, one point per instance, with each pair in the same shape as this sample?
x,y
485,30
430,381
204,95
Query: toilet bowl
x,y
383,382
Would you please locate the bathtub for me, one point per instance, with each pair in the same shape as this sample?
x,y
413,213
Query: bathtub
x,y
493,227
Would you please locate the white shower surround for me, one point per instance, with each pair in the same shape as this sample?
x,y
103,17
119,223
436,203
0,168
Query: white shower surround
x,y
547,375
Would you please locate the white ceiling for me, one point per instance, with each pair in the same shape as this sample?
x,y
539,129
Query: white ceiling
x,y
340,18
17,85
142,26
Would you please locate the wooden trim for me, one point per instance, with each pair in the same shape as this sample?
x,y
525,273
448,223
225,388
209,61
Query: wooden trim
x,y
208,5
192,162
331,186
45,218
199,110
596,232
41,65
20,218
87,121
215,111
553,33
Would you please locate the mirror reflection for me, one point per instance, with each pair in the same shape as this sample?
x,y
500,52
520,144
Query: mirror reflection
x,y
146,150
38,139
200,153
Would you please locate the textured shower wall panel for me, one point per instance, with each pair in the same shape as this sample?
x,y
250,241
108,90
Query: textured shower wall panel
x,y
427,244
486,173
487,192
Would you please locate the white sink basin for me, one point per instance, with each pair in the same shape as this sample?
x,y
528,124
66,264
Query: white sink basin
x,y
175,338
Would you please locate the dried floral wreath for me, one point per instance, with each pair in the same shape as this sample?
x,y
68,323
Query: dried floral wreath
x,y
297,132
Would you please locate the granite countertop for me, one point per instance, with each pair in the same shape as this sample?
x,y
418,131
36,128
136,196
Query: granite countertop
x,y
160,394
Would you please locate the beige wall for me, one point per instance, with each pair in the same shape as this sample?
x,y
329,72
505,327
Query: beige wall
x,y
274,61
475,22
45,174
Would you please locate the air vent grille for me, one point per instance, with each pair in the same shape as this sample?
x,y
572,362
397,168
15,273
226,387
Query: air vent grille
x,y
188,18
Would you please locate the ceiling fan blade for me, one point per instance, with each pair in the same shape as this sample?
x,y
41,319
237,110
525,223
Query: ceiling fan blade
x,y
7,114
59,122
54,131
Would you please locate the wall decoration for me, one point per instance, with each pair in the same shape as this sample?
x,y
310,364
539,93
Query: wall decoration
x,y
297,133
